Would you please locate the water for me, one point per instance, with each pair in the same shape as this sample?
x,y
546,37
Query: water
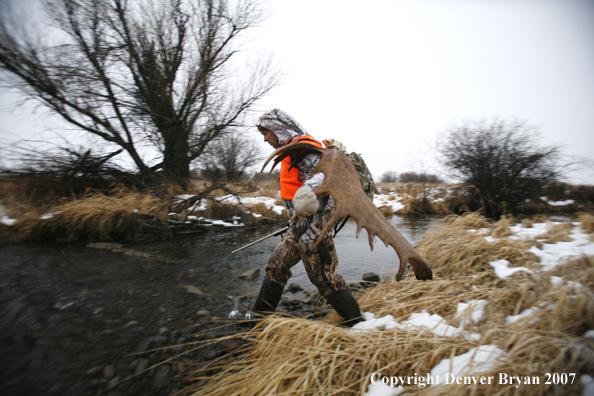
x,y
211,253
66,308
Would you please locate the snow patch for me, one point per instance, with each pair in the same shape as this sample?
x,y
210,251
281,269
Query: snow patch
x,y
371,323
381,200
381,389
473,310
588,383
502,269
522,315
551,255
558,203
416,321
4,219
474,361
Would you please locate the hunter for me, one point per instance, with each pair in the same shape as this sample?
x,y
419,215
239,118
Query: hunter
x,y
296,188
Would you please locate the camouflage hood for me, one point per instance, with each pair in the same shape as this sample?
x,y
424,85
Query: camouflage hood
x,y
282,125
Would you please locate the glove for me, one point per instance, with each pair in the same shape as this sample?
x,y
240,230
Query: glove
x,y
305,202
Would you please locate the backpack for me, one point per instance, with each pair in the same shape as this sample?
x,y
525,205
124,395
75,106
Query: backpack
x,y
364,174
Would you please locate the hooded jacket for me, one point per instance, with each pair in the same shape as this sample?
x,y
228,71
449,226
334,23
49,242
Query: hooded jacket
x,y
287,129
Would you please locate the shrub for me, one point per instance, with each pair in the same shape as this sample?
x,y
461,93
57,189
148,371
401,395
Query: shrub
x,y
500,163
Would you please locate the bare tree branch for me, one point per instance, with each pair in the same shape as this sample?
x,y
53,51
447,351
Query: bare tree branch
x,y
137,72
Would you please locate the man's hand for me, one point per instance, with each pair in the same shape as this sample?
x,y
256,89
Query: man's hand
x,y
305,202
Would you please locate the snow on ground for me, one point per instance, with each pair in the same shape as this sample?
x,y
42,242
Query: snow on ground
x,y
270,203
7,220
371,323
558,203
502,269
389,200
551,255
476,360
485,357
4,219
473,310
381,389
226,224
183,197
524,314
535,231
435,323
417,321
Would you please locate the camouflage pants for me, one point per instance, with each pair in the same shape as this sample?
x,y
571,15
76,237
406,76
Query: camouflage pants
x,y
320,265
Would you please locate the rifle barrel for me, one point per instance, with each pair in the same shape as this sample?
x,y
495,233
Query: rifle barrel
x,y
275,233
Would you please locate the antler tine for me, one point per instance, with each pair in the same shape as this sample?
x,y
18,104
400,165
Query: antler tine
x,y
297,150
342,182
271,156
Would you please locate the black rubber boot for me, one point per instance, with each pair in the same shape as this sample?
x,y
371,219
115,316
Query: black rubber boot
x,y
270,294
346,306
269,297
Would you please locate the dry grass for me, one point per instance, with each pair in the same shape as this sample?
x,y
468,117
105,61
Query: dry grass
x,y
292,356
95,216
443,199
557,233
587,221
424,199
122,212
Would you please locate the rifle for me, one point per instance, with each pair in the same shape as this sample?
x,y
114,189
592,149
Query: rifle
x,y
275,233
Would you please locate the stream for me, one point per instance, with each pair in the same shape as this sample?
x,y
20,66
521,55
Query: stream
x,y
80,320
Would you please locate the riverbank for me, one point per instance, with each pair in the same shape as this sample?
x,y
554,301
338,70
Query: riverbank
x,y
166,211
507,301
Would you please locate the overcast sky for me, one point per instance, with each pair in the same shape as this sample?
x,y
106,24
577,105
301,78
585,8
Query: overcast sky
x,y
385,77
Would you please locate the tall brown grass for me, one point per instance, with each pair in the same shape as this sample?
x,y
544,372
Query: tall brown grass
x,y
122,212
95,216
442,199
294,356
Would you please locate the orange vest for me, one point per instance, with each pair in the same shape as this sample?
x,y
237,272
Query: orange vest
x,y
289,179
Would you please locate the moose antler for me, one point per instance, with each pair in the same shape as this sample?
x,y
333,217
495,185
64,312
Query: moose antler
x,y
342,182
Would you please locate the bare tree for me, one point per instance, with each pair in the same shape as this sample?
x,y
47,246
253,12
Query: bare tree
x,y
229,158
414,177
389,177
501,163
140,73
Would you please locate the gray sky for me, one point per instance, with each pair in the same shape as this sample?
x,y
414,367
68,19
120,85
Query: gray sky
x,y
386,76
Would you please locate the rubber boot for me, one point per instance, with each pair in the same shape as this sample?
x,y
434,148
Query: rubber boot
x,y
346,306
266,303
269,297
